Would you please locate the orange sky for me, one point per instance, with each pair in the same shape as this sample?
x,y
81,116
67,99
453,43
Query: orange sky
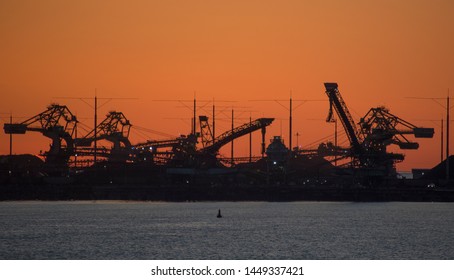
x,y
378,51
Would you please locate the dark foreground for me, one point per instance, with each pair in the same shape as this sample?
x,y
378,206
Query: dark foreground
x,y
181,192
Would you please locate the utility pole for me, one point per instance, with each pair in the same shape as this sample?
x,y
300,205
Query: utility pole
x,y
297,140
10,134
10,160
447,137
213,131
440,123
290,124
231,150
11,138
250,141
95,108
263,131
447,107
195,114
441,140
95,126
290,108
75,146
196,104
335,141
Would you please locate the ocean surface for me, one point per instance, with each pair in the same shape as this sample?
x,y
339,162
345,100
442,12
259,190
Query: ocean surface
x,y
248,230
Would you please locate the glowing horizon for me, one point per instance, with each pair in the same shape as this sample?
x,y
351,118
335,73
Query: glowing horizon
x,y
379,52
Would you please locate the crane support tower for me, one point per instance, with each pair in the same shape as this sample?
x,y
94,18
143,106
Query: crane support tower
x,y
205,131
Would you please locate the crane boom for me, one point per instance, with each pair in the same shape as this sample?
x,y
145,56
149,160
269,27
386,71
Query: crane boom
x,y
239,131
55,117
155,144
336,101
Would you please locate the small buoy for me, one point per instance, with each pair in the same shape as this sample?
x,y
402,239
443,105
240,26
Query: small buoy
x,y
219,214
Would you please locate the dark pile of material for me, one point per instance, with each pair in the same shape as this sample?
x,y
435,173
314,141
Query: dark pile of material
x,y
20,162
439,171
311,166
20,166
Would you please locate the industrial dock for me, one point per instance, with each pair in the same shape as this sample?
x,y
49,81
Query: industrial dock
x,y
104,164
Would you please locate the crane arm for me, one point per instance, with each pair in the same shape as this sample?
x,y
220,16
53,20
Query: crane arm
x,y
380,125
239,131
336,101
156,144
115,127
56,118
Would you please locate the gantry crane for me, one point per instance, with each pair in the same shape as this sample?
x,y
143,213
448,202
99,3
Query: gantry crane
x,y
377,130
56,123
381,129
115,129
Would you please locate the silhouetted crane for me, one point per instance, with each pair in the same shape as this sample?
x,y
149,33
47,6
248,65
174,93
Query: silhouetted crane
x,y
115,129
56,123
377,130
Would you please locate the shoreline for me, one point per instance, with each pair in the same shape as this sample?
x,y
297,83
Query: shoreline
x,y
201,193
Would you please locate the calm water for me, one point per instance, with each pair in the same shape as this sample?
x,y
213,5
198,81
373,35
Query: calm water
x,y
248,230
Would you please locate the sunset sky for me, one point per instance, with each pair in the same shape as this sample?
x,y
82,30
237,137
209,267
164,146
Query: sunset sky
x,y
379,52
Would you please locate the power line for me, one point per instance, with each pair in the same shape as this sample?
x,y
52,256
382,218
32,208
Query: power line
x,y
447,107
290,108
96,107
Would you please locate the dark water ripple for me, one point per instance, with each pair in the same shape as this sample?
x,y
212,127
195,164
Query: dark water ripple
x,y
248,230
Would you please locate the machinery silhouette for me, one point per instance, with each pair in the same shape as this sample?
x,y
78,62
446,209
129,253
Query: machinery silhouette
x,y
56,123
367,154
183,152
114,128
370,138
